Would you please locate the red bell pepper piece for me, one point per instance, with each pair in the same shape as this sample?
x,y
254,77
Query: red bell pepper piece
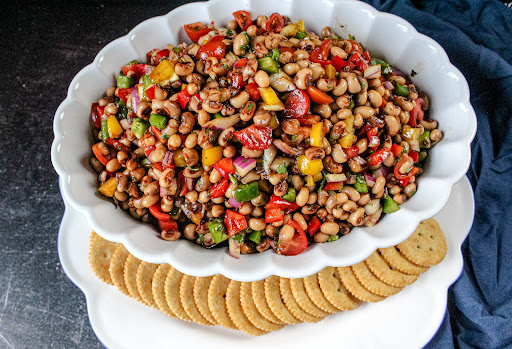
x,y
225,166
169,225
161,54
295,246
373,137
416,113
183,98
378,156
118,145
213,48
253,91
338,63
137,69
157,133
352,152
320,54
149,150
196,30
359,61
157,212
124,92
397,149
282,204
104,159
318,96
150,92
237,80
273,215
95,118
219,188
367,56
333,186
275,23
297,104
241,62
356,47
314,226
404,182
243,18
414,155
234,222
254,137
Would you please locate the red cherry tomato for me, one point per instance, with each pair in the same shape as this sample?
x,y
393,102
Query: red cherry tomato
x,y
234,222
254,137
352,152
213,48
95,118
320,54
253,91
356,47
319,97
169,225
276,202
124,92
297,104
219,188
275,23
333,186
196,30
225,166
295,246
104,159
157,212
118,145
273,215
243,18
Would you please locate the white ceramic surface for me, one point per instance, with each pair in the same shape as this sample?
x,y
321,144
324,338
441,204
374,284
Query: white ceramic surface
x,y
406,320
385,35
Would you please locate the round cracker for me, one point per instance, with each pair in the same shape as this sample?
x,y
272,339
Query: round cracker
x,y
275,302
387,273
353,285
334,291
301,296
399,262
217,301
158,289
144,280
130,277
187,300
200,292
292,305
116,268
371,282
316,295
252,313
426,246
236,312
260,301
172,294
100,254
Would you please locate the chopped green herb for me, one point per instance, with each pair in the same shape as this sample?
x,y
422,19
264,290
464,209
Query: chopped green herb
x,y
217,115
386,68
122,110
282,168
245,48
351,105
133,62
238,238
334,37
164,135
175,212
229,32
176,49
322,182
233,179
413,73
247,39
249,106
294,138
351,37
333,238
225,66
274,54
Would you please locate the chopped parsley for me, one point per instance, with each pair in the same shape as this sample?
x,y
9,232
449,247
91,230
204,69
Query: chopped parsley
x,y
282,168
294,138
245,48
225,66
351,37
229,32
413,73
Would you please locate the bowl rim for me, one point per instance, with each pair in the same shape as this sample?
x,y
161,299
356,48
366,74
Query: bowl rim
x,y
270,268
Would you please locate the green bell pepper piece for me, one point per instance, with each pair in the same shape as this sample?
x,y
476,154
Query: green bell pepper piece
x,y
390,205
104,130
146,81
269,65
401,90
238,238
157,120
122,110
333,238
360,184
424,140
246,192
274,54
133,62
255,236
125,82
290,194
217,230
386,68
139,127
301,35
218,115
351,105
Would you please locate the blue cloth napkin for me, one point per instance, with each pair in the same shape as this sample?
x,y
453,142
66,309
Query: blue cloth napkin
x,y
477,35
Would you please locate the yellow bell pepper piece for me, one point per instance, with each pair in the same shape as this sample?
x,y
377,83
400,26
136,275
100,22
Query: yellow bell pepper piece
x,y
183,86
309,181
410,134
317,136
269,96
330,72
109,187
300,25
349,137
318,177
309,167
212,156
179,160
289,30
114,129
164,73
274,122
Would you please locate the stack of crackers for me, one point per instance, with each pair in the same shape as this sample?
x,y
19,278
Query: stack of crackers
x,y
267,305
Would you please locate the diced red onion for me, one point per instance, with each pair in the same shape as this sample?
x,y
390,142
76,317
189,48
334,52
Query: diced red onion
x,y
148,69
234,203
103,177
243,165
222,123
370,179
273,244
332,177
135,97
385,170
168,159
164,191
150,156
234,248
372,71
388,85
398,72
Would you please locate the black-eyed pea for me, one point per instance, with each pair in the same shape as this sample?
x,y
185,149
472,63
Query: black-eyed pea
x,y
404,103
150,200
321,237
257,224
329,228
291,68
389,161
262,79
350,206
303,63
365,199
343,102
257,212
399,79
312,198
340,88
436,135
362,144
318,71
358,120
410,189
351,192
286,233
353,83
203,197
380,183
341,198
338,51
302,197
113,165
399,198
215,176
303,78
326,85
229,151
190,231
191,196
299,218
246,208
393,125
356,217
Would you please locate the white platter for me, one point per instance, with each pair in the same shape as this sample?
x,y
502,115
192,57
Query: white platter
x,y
385,35
406,320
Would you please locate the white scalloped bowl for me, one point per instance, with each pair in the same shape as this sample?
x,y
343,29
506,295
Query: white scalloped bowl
x,y
385,35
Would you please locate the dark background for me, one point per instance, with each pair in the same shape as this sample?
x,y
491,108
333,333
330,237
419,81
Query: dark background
x,y
43,47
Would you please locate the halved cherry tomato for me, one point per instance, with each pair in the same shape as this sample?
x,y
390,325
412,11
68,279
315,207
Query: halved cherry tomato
x,y
359,61
309,120
118,145
213,48
333,186
338,63
281,204
416,113
378,156
297,104
234,222
253,91
367,56
314,226
254,137
95,118
196,30
219,188
352,152
273,215
243,18
225,166
397,149
318,96
156,55
169,225
104,159
356,47
320,54
275,23
399,164
123,93
295,246
157,212
183,98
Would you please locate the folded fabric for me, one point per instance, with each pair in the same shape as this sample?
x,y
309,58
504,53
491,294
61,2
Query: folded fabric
x,y
477,36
